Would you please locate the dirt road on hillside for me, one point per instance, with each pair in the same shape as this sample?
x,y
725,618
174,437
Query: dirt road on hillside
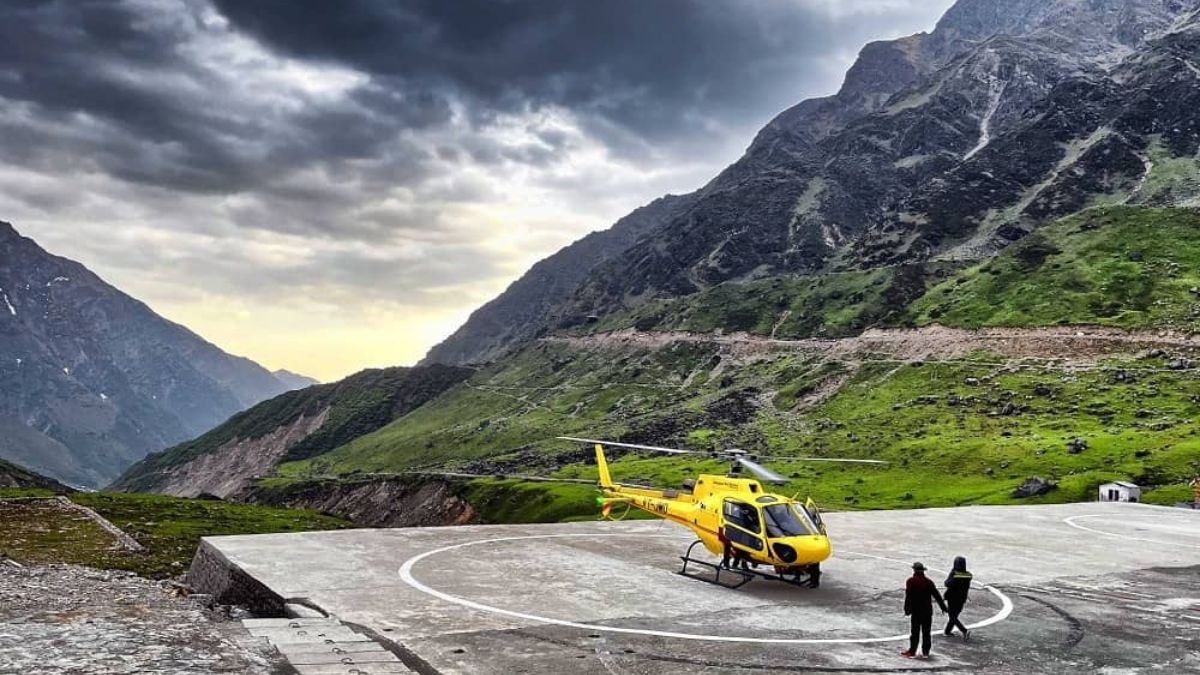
x,y
1070,344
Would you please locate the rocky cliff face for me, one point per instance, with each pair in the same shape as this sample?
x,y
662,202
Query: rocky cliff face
x,y
377,502
952,143
971,85
91,380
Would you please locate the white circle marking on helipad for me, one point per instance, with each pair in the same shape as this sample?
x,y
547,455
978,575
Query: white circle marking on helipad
x,y
407,576
1071,521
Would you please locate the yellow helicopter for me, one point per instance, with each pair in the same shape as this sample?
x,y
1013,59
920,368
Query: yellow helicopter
x,y
732,517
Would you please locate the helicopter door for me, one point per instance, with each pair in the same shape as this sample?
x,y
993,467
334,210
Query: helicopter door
x,y
815,513
743,524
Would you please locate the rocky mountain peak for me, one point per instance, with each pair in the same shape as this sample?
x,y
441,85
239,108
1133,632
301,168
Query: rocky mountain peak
x,y
1092,27
986,126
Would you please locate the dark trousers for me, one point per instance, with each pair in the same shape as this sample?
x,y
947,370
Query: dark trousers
x,y
922,624
954,610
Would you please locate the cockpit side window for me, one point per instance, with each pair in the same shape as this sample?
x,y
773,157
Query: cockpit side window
x,y
742,515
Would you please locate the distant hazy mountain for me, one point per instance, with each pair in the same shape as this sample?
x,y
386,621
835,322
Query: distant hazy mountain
x,y
294,381
948,144
91,380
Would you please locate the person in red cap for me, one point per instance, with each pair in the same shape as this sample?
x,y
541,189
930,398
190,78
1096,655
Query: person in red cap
x,y
919,594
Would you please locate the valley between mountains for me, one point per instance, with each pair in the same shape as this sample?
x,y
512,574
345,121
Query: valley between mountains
x,y
964,413
978,261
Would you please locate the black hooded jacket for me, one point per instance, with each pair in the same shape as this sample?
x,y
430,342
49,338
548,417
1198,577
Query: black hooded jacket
x,y
958,584
919,596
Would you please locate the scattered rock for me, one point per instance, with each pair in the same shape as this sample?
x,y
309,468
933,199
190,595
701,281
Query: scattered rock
x,y
1042,390
70,619
1033,487
1077,445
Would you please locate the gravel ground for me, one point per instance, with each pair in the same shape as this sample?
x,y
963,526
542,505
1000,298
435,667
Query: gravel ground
x,y
70,619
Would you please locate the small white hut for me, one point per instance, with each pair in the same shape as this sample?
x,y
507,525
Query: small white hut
x,y
1120,491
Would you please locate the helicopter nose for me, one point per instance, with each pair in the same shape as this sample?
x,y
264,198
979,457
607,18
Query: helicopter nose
x,y
813,549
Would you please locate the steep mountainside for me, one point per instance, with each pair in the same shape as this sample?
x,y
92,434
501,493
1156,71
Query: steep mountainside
x,y
295,426
521,312
952,144
1020,107
13,476
91,380
964,414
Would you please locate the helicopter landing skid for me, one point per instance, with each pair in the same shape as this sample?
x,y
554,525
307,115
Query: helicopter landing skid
x,y
741,577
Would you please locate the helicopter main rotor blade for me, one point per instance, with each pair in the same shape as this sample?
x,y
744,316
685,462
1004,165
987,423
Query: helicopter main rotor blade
x,y
761,471
822,459
673,451
503,476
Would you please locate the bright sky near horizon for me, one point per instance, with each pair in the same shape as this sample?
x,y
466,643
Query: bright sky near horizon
x,y
328,186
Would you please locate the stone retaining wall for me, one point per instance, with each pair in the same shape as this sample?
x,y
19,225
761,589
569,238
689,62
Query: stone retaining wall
x,y
212,573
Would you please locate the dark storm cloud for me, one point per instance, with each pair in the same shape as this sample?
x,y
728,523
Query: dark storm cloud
x,y
657,67
220,158
161,117
119,85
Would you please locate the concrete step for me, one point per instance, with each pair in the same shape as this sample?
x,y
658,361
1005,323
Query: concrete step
x,y
320,646
289,623
371,669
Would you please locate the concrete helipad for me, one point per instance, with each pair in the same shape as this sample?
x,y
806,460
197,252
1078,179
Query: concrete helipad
x,y
1069,588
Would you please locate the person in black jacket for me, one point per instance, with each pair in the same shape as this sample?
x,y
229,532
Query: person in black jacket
x,y
958,586
919,594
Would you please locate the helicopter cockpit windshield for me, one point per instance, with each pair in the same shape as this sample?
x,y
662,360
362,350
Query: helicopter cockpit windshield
x,y
789,520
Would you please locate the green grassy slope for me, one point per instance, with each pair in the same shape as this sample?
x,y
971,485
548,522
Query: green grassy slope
x,y
966,431
1122,266
832,305
169,527
544,391
1131,267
